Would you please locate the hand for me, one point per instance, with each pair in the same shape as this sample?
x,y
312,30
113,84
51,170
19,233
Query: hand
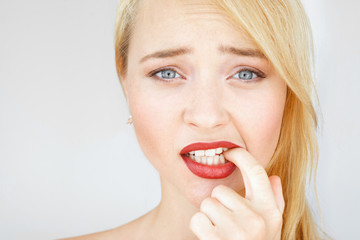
x,y
227,215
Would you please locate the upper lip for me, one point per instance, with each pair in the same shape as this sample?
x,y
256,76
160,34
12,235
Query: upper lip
x,y
207,145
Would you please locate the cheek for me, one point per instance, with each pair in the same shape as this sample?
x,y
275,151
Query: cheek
x,y
154,124
266,133
259,124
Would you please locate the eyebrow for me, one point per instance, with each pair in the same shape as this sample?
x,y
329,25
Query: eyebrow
x,y
167,53
248,52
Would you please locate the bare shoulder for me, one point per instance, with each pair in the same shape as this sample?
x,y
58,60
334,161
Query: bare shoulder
x,y
127,231
105,235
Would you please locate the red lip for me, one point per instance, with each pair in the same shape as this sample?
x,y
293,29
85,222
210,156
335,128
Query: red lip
x,y
210,145
206,171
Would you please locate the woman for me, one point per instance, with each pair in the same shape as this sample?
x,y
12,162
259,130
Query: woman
x,y
220,97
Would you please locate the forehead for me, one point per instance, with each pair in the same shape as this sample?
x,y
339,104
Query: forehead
x,y
163,24
158,9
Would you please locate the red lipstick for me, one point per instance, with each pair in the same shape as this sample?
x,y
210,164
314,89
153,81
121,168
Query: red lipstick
x,y
204,170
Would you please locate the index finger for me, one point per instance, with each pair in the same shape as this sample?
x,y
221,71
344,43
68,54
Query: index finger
x,y
256,180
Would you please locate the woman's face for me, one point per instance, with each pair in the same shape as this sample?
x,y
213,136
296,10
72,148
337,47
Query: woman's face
x,y
192,77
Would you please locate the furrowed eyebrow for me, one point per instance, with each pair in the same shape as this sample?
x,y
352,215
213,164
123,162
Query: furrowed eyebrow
x,y
167,53
248,52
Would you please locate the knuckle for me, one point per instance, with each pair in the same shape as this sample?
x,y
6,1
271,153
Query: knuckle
x,y
206,204
256,234
257,170
195,220
218,190
260,225
259,222
255,228
257,225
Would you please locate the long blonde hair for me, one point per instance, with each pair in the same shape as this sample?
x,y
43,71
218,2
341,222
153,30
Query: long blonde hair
x,y
281,30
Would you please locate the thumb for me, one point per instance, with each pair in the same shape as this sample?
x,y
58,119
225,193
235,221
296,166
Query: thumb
x,y
275,182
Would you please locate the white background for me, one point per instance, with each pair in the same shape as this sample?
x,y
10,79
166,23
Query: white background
x,y
69,163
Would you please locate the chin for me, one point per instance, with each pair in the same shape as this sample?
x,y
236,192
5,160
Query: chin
x,y
201,188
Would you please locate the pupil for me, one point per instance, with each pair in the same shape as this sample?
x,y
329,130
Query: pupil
x,y
246,75
168,74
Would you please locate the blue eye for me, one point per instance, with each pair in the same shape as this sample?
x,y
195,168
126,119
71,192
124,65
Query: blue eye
x,y
246,75
167,74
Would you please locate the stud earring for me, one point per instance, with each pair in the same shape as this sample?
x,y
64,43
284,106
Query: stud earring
x,y
130,120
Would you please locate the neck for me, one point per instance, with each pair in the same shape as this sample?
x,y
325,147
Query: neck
x,y
171,218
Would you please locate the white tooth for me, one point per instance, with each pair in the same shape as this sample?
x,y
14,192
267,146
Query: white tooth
x,y
210,152
199,153
198,159
218,150
192,157
210,161
222,159
203,160
225,149
216,160
192,153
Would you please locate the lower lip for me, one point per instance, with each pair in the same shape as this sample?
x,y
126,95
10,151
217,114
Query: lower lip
x,y
207,171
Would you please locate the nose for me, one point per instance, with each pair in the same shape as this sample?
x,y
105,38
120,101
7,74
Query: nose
x,y
205,108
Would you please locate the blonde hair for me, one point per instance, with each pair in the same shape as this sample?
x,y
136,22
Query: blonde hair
x,y
281,30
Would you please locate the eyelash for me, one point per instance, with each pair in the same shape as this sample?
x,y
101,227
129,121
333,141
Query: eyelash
x,y
258,74
153,73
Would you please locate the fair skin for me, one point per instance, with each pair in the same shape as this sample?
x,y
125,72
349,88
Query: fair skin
x,y
203,98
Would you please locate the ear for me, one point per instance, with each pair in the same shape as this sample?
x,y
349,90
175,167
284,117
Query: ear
x,y
124,85
122,76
